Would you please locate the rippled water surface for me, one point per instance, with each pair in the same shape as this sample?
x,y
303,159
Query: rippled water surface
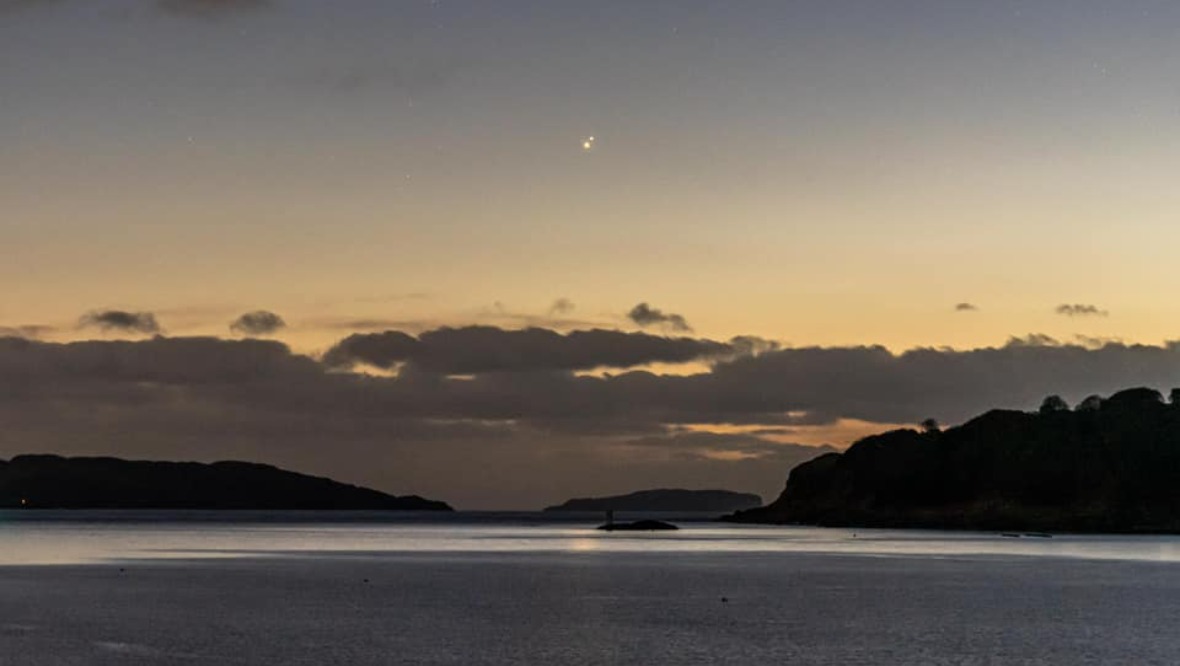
x,y
63,537
520,589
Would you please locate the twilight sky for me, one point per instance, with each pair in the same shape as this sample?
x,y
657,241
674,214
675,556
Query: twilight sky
x,y
796,223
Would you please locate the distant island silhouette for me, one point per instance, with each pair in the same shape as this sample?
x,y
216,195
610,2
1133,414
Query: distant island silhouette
x,y
55,482
637,526
1108,465
665,499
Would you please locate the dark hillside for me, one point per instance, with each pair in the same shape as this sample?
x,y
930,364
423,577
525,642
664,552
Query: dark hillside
x,y
47,481
1109,465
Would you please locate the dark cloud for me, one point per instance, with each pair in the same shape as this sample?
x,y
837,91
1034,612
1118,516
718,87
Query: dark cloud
x,y
644,315
157,361
561,306
787,387
210,8
1080,310
966,307
752,345
874,384
484,349
259,322
121,320
382,350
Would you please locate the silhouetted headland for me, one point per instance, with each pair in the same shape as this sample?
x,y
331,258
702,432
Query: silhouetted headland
x,y
665,499
54,482
1109,465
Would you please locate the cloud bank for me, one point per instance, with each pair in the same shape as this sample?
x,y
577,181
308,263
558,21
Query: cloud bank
x,y
487,417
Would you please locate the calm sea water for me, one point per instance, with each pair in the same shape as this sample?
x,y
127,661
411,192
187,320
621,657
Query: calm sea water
x,y
257,588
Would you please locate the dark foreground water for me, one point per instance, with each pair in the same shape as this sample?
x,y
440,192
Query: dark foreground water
x,y
163,589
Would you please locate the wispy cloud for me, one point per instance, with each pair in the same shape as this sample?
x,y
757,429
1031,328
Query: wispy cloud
x,y
1080,310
